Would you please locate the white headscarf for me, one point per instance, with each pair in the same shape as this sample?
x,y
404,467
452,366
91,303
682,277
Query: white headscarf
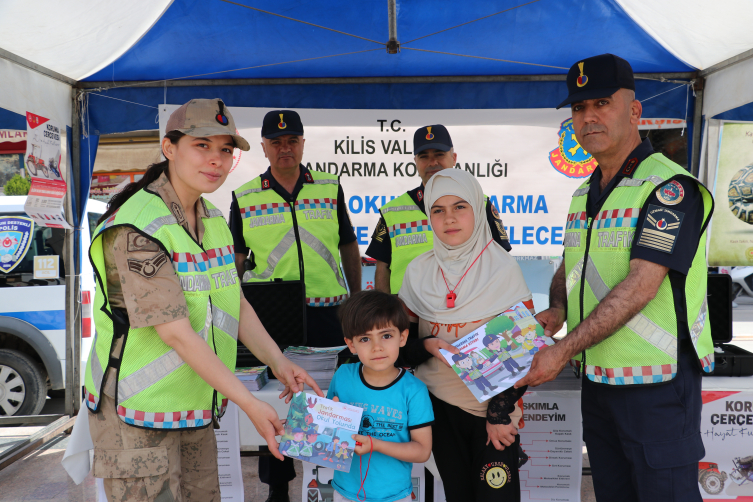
x,y
494,283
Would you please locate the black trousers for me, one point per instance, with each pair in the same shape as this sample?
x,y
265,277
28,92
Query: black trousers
x,y
323,329
471,470
644,441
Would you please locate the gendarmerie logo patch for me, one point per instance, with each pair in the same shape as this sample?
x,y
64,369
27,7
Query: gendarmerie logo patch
x,y
148,268
670,194
661,228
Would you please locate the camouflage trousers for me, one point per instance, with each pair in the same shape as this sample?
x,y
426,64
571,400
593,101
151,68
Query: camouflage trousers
x,y
142,465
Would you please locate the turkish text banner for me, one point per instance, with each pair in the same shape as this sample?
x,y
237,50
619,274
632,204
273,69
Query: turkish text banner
x,y
527,161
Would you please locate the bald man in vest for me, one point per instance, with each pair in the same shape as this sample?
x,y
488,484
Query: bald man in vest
x,y
632,288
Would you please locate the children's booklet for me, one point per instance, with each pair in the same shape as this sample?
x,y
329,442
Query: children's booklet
x,y
499,353
319,431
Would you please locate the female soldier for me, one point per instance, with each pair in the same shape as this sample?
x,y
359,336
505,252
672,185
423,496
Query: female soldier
x,y
462,283
161,367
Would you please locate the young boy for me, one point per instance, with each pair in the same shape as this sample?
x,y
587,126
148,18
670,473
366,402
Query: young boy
x,y
396,425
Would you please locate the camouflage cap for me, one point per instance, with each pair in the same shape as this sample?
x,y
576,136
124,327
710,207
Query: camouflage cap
x,y
205,117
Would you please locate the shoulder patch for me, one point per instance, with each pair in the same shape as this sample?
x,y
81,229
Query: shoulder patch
x,y
148,268
661,228
137,242
670,194
380,231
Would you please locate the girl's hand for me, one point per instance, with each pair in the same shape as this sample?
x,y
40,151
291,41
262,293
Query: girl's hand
x,y
500,435
433,344
366,444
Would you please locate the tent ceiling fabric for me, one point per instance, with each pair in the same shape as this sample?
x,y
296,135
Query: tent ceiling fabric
x,y
198,37
698,32
77,38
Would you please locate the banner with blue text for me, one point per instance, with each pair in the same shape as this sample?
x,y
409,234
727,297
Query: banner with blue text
x,y
527,161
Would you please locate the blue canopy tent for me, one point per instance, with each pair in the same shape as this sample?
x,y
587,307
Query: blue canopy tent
x,y
119,62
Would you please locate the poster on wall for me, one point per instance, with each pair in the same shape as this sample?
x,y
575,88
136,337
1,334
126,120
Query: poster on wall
x,y
229,455
726,472
731,231
528,162
44,204
553,440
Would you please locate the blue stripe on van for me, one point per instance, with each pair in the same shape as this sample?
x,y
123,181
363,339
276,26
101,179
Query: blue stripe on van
x,y
41,319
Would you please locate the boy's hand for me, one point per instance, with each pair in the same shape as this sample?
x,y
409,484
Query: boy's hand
x,y
500,435
365,446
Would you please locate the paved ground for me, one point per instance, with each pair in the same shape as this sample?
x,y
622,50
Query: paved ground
x,y
40,477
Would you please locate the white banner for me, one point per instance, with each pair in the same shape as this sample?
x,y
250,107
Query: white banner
x,y
726,472
527,161
552,438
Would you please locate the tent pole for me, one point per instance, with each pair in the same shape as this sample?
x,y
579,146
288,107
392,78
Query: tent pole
x,y
73,277
393,46
697,125
362,80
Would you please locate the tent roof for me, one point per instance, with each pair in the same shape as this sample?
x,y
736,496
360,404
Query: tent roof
x,y
161,39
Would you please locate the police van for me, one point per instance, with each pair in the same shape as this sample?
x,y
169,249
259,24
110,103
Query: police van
x,y
32,310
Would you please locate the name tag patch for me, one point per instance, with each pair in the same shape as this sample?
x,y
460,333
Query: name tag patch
x,y
661,228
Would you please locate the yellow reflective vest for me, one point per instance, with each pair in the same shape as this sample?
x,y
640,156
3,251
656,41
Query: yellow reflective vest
x,y
644,350
272,229
155,387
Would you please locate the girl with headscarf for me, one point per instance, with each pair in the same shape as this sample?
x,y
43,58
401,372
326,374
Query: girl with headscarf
x,y
463,282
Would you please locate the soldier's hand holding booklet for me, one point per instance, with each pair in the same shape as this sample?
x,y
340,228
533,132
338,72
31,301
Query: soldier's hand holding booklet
x,y
499,353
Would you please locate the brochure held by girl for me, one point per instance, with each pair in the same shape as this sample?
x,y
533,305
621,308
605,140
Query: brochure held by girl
x,y
499,353
319,431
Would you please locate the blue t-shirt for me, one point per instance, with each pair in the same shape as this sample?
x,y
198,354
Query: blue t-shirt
x,y
389,414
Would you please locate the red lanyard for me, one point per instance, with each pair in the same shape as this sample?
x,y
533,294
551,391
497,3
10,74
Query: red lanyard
x,y
451,296
363,478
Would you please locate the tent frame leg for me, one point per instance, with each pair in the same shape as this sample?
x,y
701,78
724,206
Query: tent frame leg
x,y
73,274
695,163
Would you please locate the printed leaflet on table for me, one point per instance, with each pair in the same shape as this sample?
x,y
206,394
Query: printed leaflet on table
x,y
319,431
498,354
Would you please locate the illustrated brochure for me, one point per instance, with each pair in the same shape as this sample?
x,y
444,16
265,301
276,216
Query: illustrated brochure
x,y
319,431
499,353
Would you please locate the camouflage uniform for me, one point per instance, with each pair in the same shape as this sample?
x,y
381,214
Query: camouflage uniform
x,y
149,464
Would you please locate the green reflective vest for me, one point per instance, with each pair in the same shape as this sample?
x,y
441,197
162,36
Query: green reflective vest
x,y
410,235
269,229
155,388
597,258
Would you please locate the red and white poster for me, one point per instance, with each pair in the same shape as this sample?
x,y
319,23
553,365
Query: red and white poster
x,y
726,472
44,203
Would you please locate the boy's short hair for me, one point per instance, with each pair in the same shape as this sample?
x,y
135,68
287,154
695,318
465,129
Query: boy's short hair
x,y
372,309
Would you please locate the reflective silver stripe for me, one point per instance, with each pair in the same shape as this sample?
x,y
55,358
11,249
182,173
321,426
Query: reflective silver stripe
x,y
326,182
700,322
581,191
274,257
96,365
226,322
286,243
157,369
633,182
574,276
320,249
148,375
640,324
214,213
158,223
246,192
412,207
